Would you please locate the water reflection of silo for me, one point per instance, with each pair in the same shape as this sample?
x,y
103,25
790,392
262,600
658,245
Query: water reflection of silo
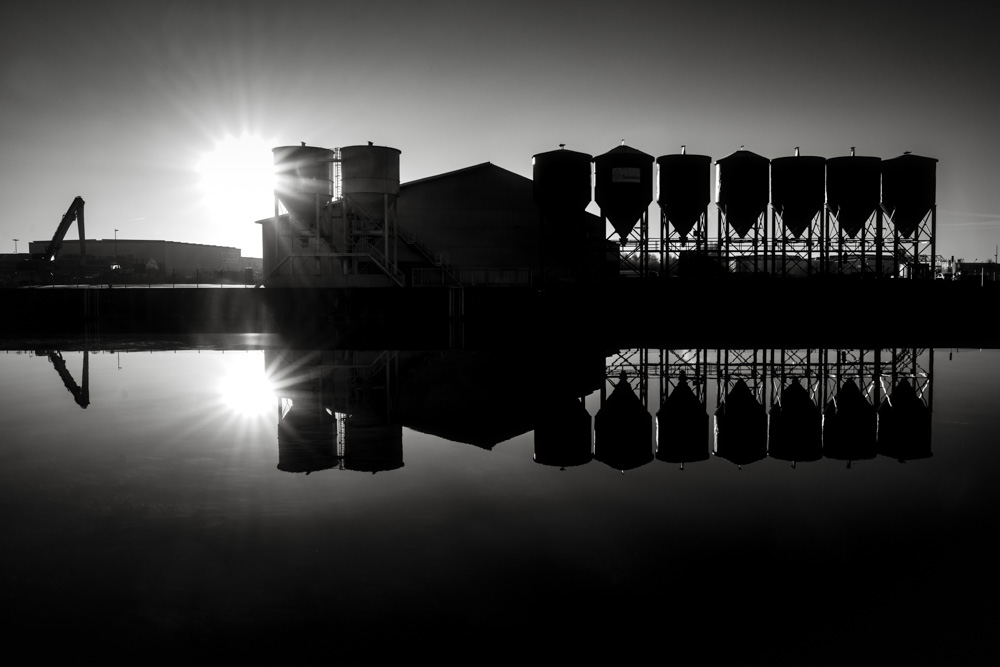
x,y
623,429
795,426
372,442
682,426
798,195
742,194
853,193
563,434
307,435
849,425
741,426
904,424
683,193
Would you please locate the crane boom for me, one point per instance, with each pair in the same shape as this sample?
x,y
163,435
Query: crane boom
x,y
73,214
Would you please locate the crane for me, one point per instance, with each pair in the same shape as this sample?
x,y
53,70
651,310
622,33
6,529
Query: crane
x,y
38,269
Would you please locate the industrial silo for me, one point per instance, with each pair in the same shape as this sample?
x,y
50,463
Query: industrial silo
x,y
798,190
370,177
683,193
684,190
741,189
853,187
798,195
854,234
908,191
624,187
370,183
303,180
561,185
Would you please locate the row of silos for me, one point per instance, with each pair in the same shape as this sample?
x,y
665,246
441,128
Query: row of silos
x,y
797,187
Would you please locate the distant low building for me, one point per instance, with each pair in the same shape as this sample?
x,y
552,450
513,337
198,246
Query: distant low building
x,y
163,258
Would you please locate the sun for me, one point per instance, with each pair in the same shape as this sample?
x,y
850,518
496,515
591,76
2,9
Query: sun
x,y
236,179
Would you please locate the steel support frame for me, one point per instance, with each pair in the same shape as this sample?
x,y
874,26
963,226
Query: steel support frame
x,y
633,250
790,252
844,255
736,248
907,251
672,242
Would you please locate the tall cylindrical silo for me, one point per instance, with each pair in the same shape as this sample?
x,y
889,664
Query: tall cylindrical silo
x,y
742,189
798,190
908,190
853,187
561,185
303,175
623,186
684,189
369,174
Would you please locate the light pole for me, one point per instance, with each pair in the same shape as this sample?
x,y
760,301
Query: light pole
x,y
15,245
116,246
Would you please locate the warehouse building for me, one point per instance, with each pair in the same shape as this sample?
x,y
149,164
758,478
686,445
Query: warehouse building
x,y
158,259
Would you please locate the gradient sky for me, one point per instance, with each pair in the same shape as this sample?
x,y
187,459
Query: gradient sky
x,y
120,102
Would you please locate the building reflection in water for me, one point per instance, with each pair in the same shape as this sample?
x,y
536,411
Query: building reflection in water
x,y
347,409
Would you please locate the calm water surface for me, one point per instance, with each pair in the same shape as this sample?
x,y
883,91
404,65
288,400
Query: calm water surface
x,y
367,499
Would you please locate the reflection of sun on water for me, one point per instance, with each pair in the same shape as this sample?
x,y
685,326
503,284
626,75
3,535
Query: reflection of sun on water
x,y
245,388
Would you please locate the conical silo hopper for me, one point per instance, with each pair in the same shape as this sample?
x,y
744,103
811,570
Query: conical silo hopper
x,y
798,190
684,189
909,185
303,180
742,189
562,186
623,186
853,190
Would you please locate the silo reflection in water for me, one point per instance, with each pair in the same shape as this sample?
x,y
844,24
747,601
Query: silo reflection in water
x,y
623,429
682,426
563,434
307,436
904,424
795,426
850,425
741,426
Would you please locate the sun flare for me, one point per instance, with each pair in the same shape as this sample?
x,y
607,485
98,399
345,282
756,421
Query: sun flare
x,y
237,179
